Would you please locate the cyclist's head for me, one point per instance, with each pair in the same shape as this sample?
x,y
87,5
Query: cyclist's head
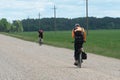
x,y
41,31
76,25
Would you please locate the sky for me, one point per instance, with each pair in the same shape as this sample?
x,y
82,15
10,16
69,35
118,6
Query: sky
x,y
23,9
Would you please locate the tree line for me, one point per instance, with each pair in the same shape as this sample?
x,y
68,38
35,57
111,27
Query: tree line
x,y
6,26
68,24
47,24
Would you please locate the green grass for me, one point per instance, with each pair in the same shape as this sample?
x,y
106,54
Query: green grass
x,y
29,36
59,38
102,42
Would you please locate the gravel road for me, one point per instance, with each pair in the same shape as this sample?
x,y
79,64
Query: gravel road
x,y
23,60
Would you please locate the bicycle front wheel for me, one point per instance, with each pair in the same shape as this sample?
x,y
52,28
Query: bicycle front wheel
x,y
40,41
80,60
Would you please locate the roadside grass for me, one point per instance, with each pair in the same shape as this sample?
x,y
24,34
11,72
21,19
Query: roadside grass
x,y
29,36
104,42
101,42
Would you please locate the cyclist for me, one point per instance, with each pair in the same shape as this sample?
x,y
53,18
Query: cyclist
x,y
79,35
40,34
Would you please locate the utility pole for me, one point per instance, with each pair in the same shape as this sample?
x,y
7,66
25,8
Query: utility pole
x,y
87,15
39,15
39,20
54,18
28,19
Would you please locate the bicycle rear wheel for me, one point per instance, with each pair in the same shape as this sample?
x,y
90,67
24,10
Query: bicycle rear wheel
x,y
80,60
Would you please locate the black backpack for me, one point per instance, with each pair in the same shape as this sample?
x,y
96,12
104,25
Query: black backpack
x,y
84,55
78,36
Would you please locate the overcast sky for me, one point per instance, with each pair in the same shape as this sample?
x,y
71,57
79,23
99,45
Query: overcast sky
x,y
22,9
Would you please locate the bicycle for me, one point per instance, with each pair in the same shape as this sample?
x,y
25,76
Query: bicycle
x,y
40,41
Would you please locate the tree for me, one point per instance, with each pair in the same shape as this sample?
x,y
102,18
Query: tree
x,y
18,24
5,25
1,26
13,28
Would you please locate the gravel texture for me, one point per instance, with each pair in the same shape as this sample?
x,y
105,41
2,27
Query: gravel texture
x,y
23,60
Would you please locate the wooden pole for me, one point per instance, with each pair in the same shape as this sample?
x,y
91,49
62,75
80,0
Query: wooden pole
x,y
87,16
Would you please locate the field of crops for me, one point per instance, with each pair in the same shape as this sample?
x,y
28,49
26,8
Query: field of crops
x,y
102,42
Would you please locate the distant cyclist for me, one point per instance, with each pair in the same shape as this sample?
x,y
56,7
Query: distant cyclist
x,y
79,35
40,35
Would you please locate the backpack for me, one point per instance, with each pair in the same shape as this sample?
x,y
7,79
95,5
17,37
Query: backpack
x,y
79,36
84,55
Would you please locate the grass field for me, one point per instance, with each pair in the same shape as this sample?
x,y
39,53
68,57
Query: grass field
x,y
102,42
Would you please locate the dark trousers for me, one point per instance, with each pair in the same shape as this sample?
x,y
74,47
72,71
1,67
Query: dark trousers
x,y
77,47
41,35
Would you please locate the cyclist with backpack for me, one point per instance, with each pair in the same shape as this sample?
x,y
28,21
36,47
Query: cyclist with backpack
x,y
40,36
79,35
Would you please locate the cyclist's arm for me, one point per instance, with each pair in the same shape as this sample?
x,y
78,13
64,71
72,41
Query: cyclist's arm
x,y
73,35
84,36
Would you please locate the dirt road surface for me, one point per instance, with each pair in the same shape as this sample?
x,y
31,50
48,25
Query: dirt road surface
x,y
23,60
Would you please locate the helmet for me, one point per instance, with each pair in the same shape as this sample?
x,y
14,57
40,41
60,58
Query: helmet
x,y
77,25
